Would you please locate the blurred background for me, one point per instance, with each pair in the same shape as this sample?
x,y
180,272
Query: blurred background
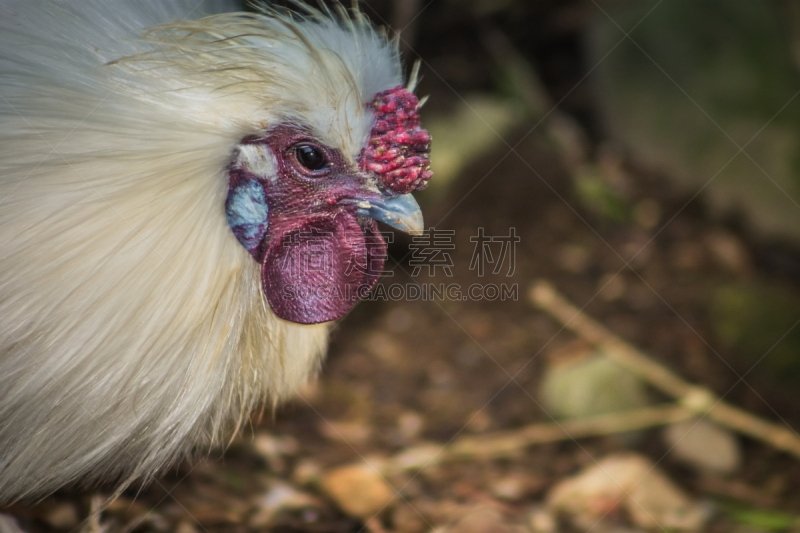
x,y
641,156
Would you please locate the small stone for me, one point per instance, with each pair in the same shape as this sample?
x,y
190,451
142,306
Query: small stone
x,y
359,490
704,445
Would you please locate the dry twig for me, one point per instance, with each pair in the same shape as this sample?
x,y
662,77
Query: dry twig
x,y
693,401
508,443
699,399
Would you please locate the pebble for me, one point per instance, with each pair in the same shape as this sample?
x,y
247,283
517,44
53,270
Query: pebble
x,y
704,445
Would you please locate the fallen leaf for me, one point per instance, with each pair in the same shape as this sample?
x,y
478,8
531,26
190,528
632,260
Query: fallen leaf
x,y
359,490
630,482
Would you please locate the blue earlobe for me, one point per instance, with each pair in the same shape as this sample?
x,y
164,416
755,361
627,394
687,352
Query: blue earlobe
x,y
247,213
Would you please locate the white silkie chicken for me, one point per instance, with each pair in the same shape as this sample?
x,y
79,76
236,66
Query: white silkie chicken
x,y
185,202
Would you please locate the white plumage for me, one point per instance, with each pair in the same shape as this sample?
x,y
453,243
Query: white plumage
x,y
133,330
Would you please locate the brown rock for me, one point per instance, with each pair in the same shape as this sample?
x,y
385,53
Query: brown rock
x,y
704,445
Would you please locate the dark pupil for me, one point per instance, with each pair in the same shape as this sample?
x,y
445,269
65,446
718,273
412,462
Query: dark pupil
x,y
310,157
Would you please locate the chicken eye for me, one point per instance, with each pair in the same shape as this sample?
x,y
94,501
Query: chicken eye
x,y
310,157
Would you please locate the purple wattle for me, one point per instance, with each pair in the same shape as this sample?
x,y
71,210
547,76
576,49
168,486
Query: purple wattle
x,y
318,271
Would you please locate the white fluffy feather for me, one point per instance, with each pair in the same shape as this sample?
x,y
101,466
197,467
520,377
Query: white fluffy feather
x,y
133,329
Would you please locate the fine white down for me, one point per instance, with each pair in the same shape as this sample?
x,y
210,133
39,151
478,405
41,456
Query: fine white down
x,y
133,327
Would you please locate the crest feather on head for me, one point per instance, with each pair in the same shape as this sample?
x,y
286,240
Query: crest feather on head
x,y
320,70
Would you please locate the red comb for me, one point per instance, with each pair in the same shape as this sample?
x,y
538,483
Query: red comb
x,y
398,149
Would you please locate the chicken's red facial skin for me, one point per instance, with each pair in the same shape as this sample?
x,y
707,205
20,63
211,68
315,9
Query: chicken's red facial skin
x,y
318,256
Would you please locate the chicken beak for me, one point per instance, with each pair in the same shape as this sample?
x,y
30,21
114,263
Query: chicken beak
x,y
401,212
